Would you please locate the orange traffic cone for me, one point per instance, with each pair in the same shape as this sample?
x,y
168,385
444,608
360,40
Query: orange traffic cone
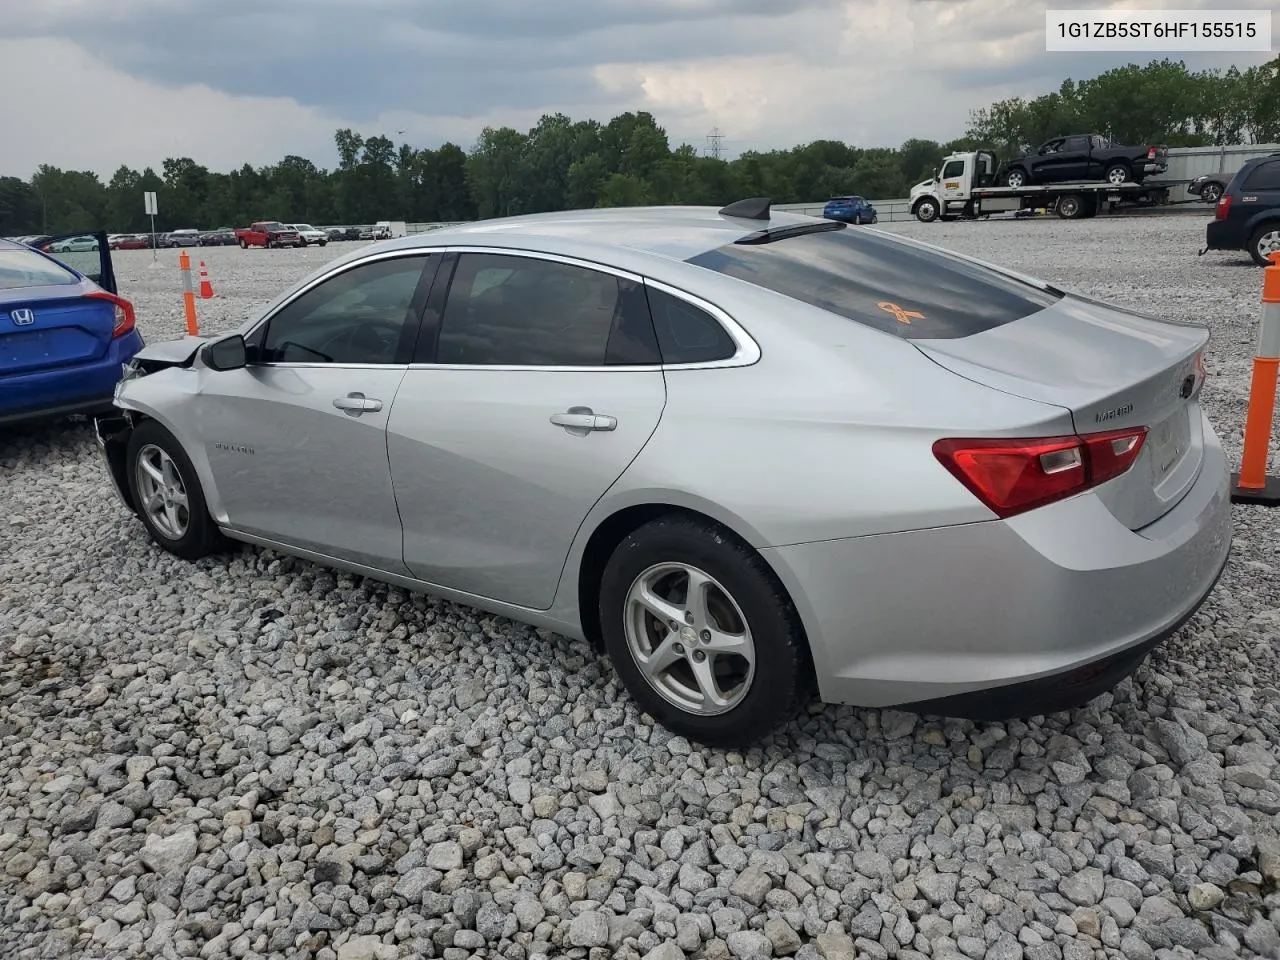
x,y
206,288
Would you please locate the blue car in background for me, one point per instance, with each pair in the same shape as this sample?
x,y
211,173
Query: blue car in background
x,y
65,332
849,210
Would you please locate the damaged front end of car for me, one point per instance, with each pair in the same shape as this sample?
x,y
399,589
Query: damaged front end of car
x,y
113,429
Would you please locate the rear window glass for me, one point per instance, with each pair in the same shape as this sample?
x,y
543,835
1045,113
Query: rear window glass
x,y
26,268
880,282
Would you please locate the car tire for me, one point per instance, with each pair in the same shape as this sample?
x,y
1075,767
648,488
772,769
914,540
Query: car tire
x,y
1117,174
744,600
927,210
322,242
187,531
1211,193
244,244
1016,178
1071,206
1265,239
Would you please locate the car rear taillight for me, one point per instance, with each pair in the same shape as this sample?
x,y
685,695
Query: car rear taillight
x,y
1012,476
125,319
1151,153
1223,208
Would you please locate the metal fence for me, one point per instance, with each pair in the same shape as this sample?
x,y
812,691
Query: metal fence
x,y
1187,163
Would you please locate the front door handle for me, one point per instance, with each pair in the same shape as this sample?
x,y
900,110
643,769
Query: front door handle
x,y
583,420
354,404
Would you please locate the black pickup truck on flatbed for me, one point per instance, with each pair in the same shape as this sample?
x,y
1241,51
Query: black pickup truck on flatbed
x,y
1085,157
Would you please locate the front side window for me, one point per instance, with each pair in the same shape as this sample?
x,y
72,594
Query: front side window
x,y
360,316
953,169
525,311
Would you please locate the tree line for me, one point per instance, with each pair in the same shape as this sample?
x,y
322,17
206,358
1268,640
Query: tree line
x,y
565,164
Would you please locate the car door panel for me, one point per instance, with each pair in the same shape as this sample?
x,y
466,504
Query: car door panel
x,y
291,466
91,259
492,489
491,492
296,440
1073,160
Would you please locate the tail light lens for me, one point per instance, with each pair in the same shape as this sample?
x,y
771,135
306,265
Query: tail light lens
x,y
1151,153
1223,208
1012,476
126,319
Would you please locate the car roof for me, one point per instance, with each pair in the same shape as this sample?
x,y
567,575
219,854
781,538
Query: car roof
x,y
630,233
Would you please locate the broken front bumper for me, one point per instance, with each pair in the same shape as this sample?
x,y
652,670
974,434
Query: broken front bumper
x,y
112,432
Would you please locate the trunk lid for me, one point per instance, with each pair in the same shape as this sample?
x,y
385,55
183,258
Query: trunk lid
x,y
1111,368
45,329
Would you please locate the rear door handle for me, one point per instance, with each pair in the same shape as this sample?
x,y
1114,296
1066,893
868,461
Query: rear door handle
x,y
354,404
582,420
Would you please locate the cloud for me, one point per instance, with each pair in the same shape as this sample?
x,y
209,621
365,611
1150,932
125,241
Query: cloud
x,y
247,81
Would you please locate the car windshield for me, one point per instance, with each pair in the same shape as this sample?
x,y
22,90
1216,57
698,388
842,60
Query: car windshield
x,y
26,268
908,291
304,226
274,225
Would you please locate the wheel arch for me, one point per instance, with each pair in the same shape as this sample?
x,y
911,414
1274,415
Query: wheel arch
x,y
139,411
580,586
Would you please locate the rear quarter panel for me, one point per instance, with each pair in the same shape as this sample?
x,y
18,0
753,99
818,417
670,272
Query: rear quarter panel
x,y
828,435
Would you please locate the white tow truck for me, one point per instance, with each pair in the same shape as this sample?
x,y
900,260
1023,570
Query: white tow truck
x,y
965,188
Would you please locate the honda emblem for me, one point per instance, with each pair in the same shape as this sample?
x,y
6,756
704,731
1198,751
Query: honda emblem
x,y
22,317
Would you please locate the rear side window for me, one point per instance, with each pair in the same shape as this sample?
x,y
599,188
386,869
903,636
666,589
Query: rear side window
x,y
687,334
883,283
1265,176
21,267
526,311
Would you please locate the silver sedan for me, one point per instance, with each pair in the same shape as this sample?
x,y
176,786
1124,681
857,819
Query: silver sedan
x,y
750,454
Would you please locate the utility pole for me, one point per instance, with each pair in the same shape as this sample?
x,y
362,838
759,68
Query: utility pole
x,y
713,142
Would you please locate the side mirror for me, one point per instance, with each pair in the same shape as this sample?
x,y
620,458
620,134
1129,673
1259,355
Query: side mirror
x,y
229,353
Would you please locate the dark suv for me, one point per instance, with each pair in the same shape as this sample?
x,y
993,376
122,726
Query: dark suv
x,y
1248,213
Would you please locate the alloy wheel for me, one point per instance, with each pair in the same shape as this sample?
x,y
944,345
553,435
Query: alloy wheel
x,y
1268,243
689,639
163,495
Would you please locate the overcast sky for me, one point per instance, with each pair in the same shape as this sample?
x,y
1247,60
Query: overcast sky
x,y
91,84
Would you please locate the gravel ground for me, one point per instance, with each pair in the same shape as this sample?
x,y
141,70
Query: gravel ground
x,y
256,757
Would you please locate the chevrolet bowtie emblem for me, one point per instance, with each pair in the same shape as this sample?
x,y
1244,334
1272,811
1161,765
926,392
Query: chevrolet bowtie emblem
x,y
902,316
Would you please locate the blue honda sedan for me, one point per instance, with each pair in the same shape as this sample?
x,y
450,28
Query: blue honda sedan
x,y
64,334
850,210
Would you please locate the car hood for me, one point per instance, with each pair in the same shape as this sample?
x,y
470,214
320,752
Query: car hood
x,y
172,351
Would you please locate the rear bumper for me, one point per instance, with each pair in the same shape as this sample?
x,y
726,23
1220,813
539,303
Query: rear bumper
x,y
1154,166
82,388
939,619
1223,235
